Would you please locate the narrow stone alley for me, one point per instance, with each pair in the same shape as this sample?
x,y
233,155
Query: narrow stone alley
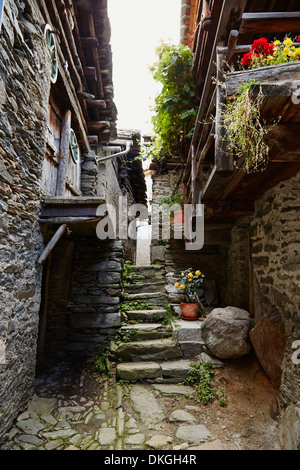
x,y
76,409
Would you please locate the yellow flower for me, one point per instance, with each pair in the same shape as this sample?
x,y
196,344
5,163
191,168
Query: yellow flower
x,y
190,280
286,51
182,274
191,275
288,42
198,273
269,58
176,285
182,286
276,43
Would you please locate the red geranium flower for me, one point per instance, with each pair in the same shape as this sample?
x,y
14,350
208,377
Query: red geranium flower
x,y
262,46
247,59
298,39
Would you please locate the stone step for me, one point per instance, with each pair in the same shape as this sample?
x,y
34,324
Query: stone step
x,y
187,330
146,269
145,331
149,273
173,371
152,350
148,316
188,335
157,286
154,298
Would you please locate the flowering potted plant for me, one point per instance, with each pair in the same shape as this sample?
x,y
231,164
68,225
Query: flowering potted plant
x,y
188,284
174,200
264,53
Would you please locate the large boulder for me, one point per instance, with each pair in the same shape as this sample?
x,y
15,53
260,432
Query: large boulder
x,y
225,332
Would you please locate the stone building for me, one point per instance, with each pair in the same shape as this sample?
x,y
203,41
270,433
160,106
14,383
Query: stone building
x,y
60,283
251,249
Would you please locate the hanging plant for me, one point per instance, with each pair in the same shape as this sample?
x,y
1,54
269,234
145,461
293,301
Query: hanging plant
x,y
245,132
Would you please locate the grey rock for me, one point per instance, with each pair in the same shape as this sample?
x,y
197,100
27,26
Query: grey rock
x,y
29,439
193,433
145,404
159,441
204,357
52,445
42,405
181,416
107,436
63,434
225,332
30,426
135,439
154,350
138,370
170,389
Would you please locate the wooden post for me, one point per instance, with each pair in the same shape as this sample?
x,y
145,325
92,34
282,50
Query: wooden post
x,y
49,247
64,153
232,42
43,312
223,161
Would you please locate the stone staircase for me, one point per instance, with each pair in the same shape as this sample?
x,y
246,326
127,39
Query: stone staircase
x,y
151,347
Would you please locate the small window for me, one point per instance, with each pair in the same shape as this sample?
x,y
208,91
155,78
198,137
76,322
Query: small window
x,y
1,12
50,39
74,146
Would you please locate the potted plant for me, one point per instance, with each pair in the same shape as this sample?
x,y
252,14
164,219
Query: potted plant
x,y
176,199
188,284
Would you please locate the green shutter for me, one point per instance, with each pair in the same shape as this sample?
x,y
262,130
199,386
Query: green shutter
x,y
50,39
74,146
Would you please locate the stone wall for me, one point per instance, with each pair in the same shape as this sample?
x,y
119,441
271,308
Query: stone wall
x,y
84,296
24,91
239,266
275,251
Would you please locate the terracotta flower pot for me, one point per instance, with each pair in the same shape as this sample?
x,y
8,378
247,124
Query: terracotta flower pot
x,y
190,311
179,217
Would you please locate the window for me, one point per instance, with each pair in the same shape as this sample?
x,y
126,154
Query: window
x,y
74,146
50,39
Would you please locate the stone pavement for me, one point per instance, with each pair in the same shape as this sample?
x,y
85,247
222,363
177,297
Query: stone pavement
x,y
86,412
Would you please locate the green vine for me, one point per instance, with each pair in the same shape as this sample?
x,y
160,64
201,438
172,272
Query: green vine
x,y
244,130
174,110
202,378
128,273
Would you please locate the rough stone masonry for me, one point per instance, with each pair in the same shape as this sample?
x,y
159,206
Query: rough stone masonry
x,y
24,92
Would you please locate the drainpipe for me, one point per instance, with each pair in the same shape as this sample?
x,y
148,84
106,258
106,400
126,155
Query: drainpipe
x,y
119,153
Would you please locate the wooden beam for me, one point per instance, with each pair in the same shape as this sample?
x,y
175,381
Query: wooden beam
x,y
49,247
69,220
271,22
93,139
272,73
205,149
96,104
64,153
229,208
97,126
90,72
223,160
90,42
